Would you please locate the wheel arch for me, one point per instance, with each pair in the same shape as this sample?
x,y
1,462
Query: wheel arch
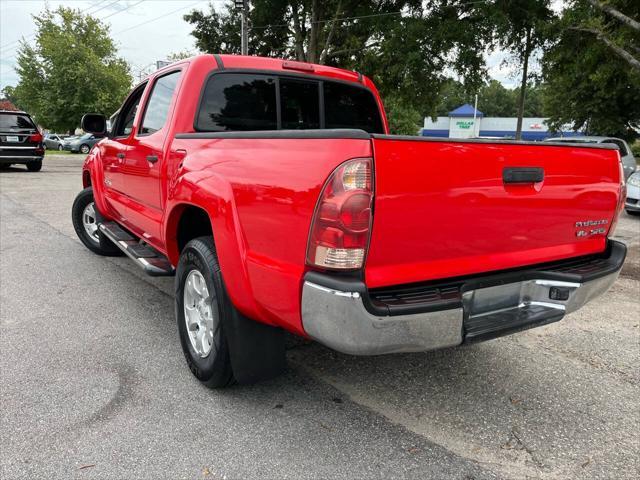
x,y
214,216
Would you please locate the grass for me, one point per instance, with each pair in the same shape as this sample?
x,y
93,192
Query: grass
x,y
52,153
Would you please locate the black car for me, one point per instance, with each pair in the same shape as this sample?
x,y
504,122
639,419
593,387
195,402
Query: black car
x,y
20,141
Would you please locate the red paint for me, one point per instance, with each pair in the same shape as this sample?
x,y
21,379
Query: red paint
x,y
440,208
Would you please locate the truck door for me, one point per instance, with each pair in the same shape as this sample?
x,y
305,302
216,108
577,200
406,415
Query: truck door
x,y
114,150
145,163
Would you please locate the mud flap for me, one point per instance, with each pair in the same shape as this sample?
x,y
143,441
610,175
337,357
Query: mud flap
x,y
257,350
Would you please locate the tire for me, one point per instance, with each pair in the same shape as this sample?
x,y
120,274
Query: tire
x,y
199,263
44,146
633,212
59,148
97,243
84,148
34,166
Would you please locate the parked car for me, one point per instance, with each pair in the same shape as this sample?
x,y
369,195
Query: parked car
x,y
632,203
20,141
274,193
82,143
53,141
626,156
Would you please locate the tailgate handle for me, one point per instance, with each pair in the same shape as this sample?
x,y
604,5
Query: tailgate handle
x,y
522,174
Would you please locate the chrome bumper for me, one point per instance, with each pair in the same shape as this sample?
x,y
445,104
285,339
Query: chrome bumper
x,y
339,319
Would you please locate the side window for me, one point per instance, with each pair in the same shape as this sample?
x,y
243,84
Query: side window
x,y
127,114
157,109
351,107
299,104
238,102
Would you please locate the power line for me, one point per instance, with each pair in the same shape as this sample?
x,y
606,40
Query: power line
x,y
158,18
104,18
4,47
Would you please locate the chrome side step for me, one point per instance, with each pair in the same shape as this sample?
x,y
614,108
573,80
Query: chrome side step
x,y
150,260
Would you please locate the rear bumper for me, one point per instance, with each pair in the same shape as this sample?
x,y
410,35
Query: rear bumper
x,y
12,159
344,316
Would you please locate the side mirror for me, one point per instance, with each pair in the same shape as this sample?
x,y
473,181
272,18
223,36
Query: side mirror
x,y
94,123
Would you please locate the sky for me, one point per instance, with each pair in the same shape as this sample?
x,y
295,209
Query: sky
x,y
144,31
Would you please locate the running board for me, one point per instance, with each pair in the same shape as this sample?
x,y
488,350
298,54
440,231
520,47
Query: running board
x,y
150,260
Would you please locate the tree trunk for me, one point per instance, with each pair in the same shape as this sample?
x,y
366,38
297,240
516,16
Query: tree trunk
x,y
314,34
299,37
630,22
523,85
621,52
327,42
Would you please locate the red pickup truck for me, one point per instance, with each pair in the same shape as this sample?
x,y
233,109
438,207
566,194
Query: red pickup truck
x,y
275,195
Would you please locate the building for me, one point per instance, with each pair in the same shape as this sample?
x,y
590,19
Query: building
x,y
467,122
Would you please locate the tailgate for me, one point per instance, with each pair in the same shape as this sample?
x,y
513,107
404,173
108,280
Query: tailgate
x,y
443,209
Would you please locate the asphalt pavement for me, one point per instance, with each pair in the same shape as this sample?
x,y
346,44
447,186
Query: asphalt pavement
x,y
93,383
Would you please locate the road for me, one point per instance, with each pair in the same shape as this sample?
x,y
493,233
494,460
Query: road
x,y
94,385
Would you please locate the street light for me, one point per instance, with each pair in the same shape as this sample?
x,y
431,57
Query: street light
x,y
243,6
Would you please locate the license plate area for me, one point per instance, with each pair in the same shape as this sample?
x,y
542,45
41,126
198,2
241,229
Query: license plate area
x,y
12,138
501,310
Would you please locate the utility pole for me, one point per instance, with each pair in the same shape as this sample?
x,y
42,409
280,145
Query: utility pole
x,y
243,6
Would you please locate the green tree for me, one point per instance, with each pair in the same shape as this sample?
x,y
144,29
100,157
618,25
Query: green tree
x,y
72,69
522,28
404,45
594,88
494,100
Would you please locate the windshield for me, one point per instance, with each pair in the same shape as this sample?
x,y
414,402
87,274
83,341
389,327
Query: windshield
x,y
15,121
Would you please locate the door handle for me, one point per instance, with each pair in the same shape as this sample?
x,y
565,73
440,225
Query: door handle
x,y
152,158
522,175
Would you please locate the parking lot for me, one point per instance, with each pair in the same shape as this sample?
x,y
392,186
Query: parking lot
x,y
94,385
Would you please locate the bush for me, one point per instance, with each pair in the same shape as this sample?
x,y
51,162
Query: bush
x,y
635,149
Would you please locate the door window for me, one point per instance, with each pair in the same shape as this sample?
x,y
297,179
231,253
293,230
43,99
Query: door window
x,y
159,102
238,102
127,114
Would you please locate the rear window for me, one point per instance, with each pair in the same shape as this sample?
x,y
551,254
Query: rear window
x,y
299,104
15,121
350,107
250,102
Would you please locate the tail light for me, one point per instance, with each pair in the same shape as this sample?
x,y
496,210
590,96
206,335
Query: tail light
x,y
621,199
35,138
342,221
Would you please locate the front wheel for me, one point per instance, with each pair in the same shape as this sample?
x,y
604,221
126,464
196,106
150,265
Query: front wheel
x,y
86,218
201,304
59,148
84,149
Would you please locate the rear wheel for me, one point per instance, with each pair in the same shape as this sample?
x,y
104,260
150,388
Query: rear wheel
x,y
34,166
60,148
84,148
201,304
86,217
